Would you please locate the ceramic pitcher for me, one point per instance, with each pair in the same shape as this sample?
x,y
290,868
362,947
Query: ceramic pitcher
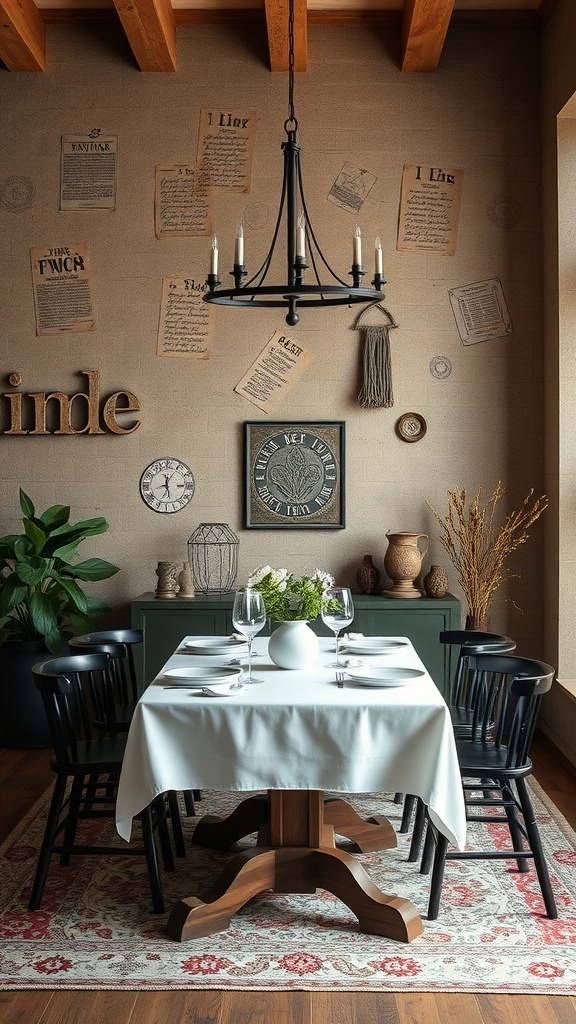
x,y
403,562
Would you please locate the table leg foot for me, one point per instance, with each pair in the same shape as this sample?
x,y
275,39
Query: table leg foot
x,y
377,913
369,834
247,874
220,833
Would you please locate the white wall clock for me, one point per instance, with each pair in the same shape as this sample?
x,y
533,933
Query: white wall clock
x,y
167,485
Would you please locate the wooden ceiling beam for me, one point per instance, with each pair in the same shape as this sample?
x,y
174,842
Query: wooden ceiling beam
x,y
150,28
22,36
424,28
277,28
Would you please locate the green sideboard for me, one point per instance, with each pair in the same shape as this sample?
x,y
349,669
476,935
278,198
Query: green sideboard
x,y
166,621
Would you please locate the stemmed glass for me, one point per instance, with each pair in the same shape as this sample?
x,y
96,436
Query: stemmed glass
x,y
337,613
249,617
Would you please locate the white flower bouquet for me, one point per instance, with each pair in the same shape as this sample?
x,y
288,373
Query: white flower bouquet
x,y
287,597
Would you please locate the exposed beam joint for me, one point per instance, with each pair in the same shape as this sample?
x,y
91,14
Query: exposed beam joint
x,y
277,27
424,29
22,36
150,28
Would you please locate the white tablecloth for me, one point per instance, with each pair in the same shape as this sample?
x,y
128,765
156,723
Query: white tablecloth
x,y
296,730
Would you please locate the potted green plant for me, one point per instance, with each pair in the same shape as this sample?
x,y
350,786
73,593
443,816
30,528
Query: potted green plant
x,y
41,601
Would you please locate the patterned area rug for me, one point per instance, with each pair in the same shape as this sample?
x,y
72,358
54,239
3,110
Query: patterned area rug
x,y
96,931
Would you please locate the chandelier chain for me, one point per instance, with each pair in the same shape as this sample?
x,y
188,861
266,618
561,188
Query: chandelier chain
x,y
291,116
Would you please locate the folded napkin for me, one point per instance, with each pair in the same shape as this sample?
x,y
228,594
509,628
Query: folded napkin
x,y
354,662
352,636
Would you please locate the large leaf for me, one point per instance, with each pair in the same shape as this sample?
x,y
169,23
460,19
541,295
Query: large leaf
x,y
26,504
66,535
93,569
76,595
42,613
34,534
12,593
31,574
55,516
7,545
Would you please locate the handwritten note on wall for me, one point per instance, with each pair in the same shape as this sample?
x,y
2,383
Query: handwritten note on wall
x,y
429,209
279,366
225,148
185,324
181,203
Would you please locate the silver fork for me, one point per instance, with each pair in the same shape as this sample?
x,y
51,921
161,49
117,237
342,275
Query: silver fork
x,y
340,680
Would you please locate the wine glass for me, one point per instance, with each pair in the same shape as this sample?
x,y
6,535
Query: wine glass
x,y
249,617
337,613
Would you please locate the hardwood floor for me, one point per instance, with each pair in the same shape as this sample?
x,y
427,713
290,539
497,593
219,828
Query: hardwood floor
x,y
24,775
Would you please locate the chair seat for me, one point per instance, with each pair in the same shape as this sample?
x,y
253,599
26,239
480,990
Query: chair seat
x,y
94,756
477,760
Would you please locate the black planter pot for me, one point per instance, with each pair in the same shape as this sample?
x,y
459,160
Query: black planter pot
x,y
23,724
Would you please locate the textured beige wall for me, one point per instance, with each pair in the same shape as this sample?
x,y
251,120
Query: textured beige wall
x,y
479,111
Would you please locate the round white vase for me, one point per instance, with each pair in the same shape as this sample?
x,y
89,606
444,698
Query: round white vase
x,y
293,645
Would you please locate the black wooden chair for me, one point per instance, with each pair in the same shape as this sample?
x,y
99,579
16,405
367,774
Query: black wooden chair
x,y
460,702
462,698
87,766
494,765
119,644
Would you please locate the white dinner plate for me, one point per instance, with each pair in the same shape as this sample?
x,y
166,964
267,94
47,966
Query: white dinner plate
x,y
203,676
216,646
380,676
374,645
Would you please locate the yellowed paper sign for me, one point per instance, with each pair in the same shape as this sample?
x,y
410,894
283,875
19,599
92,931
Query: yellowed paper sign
x,y
88,172
429,209
279,366
181,203
185,324
62,286
225,148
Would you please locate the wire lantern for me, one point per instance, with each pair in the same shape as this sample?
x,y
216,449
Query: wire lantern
x,y
213,558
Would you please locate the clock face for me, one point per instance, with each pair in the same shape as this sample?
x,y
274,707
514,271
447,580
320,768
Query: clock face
x,y
167,485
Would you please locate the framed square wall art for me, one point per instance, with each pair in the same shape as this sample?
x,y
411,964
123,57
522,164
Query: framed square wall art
x,y
294,475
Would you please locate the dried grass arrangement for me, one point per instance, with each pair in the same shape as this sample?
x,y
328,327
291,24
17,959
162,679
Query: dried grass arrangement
x,y
479,548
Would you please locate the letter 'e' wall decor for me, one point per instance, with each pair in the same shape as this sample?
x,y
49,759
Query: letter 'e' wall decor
x,y
294,475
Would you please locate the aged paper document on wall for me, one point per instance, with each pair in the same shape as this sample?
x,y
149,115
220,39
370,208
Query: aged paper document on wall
x,y
62,285
480,311
429,209
88,168
351,187
181,203
279,366
225,148
185,324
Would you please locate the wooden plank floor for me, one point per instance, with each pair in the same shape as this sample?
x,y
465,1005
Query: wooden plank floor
x,y
24,775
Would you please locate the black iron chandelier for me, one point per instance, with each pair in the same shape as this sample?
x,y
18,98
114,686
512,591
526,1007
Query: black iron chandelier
x,y
300,240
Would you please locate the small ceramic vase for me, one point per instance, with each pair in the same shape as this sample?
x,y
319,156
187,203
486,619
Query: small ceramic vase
x,y
436,582
293,645
367,575
167,573
185,584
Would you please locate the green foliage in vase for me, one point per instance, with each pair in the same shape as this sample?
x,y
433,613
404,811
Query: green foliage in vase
x,y
40,598
288,597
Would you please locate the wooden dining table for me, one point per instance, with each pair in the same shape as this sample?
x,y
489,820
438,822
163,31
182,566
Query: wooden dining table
x,y
297,735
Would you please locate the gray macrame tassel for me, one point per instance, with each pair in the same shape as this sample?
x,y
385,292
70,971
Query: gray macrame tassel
x,y
376,391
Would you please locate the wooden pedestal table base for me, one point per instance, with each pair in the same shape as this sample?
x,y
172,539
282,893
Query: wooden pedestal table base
x,y
296,853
